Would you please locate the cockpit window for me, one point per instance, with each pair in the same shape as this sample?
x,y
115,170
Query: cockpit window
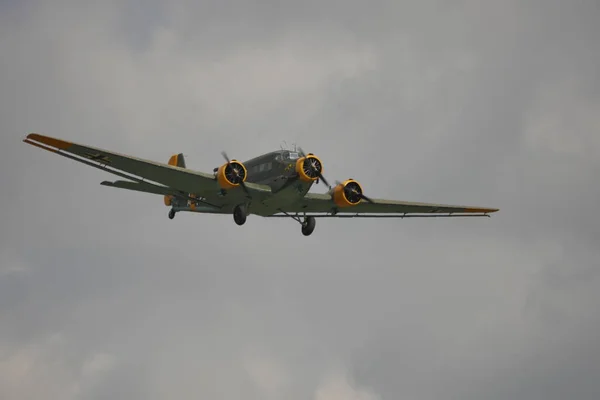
x,y
290,155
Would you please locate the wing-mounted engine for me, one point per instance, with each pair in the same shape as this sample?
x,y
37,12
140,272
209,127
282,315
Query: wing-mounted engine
x,y
348,193
231,174
309,168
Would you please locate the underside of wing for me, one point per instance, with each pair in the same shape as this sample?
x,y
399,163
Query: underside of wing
x,y
139,187
323,205
148,176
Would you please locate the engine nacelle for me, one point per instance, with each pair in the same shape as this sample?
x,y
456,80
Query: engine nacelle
x,y
347,193
232,174
309,167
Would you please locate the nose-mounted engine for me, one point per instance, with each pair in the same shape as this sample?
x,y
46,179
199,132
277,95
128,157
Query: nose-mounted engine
x,y
231,174
347,193
309,168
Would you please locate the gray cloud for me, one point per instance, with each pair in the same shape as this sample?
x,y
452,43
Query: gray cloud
x,y
493,103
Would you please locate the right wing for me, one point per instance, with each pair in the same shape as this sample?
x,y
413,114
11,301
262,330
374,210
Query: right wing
x,y
165,179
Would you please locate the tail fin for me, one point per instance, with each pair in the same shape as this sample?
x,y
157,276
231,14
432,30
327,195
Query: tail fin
x,y
177,160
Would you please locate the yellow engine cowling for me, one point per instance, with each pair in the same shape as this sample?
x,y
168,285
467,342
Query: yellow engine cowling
x,y
230,175
347,193
306,172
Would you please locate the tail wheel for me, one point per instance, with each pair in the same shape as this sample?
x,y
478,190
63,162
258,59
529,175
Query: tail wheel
x,y
239,215
308,226
171,214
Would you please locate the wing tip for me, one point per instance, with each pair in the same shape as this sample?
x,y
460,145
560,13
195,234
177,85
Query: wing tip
x,y
48,141
481,210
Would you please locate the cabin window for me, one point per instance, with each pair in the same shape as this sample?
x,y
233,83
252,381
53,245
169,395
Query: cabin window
x,y
269,166
293,156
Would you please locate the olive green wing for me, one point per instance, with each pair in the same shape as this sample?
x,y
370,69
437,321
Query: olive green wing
x,y
323,205
148,176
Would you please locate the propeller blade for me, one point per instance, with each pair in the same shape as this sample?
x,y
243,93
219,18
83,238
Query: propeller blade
x,y
366,198
225,157
324,180
245,189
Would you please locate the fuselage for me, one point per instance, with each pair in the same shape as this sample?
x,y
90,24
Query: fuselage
x,y
276,169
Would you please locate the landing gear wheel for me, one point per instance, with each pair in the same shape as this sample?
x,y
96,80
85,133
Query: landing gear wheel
x,y
239,215
308,226
171,214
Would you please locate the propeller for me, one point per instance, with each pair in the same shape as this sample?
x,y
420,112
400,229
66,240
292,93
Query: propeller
x,y
349,191
354,190
237,174
314,168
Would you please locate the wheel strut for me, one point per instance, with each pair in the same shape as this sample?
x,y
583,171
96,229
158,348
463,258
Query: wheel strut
x,y
308,224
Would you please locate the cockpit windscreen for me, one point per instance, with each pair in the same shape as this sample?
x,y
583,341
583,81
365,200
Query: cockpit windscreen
x,y
290,155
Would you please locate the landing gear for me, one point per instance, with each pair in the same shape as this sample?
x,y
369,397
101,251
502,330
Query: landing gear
x,y
171,214
239,215
308,226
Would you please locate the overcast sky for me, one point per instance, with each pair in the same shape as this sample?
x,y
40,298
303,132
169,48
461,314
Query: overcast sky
x,y
482,103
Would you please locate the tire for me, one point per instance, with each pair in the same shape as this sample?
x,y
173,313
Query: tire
x,y
239,215
308,226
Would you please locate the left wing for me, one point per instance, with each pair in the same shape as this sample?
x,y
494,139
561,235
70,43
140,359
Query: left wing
x,y
314,203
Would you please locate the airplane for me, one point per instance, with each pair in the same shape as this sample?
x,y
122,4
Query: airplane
x,y
275,184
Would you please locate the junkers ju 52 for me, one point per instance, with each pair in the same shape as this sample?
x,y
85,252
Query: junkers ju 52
x,y
275,184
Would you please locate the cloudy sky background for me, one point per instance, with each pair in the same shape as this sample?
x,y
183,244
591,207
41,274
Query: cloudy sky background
x,y
493,103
